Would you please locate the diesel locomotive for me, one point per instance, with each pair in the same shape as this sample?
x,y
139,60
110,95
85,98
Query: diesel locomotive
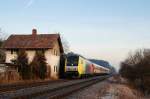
x,y
78,66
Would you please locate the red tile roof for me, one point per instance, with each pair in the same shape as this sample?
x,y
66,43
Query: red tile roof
x,y
38,41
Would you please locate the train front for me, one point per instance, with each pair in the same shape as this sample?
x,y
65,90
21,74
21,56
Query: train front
x,y
71,66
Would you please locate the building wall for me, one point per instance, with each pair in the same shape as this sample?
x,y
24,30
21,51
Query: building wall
x,y
30,55
53,62
9,56
52,58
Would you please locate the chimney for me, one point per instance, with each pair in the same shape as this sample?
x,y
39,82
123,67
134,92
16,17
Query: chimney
x,y
34,32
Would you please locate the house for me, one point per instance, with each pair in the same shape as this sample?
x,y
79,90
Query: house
x,y
50,44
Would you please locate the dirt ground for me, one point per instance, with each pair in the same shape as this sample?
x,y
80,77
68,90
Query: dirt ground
x,y
112,88
118,89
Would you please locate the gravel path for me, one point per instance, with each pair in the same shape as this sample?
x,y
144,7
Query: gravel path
x,y
92,92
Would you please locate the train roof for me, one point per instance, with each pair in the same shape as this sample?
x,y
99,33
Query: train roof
x,y
100,66
101,62
74,54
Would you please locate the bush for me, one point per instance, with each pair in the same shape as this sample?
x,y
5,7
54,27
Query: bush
x,y
136,69
23,68
2,53
2,56
1,42
39,65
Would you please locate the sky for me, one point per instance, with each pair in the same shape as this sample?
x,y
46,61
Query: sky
x,y
100,29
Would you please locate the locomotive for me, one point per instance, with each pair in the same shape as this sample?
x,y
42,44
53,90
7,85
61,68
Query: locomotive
x,y
78,66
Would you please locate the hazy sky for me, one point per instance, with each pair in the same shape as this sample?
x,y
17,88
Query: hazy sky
x,y
102,29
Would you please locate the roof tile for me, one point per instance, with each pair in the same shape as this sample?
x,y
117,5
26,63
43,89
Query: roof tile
x,y
31,41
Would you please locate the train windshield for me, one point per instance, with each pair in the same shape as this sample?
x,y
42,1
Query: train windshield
x,y
72,60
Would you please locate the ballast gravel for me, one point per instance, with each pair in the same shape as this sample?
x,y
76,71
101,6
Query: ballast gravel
x,y
92,92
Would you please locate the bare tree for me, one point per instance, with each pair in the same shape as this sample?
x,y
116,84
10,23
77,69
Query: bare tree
x,y
2,39
3,35
65,44
136,69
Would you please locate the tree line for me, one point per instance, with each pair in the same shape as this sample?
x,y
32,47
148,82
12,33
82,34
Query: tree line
x,y
136,69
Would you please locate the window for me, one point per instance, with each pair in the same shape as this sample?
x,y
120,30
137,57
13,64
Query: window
x,y
54,51
11,51
55,68
57,53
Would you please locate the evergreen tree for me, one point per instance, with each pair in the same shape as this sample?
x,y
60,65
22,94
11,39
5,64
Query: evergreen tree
x,y
39,65
23,67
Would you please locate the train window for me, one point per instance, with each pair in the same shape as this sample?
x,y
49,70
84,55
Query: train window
x,y
72,60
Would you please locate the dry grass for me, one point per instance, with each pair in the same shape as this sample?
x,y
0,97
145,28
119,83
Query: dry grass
x,y
13,77
9,77
117,89
103,90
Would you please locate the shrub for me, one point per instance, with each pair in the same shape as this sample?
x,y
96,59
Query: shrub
x,y
23,68
39,65
2,56
136,69
1,42
2,53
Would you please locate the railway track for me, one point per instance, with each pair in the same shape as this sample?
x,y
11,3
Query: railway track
x,y
52,90
17,86
60,93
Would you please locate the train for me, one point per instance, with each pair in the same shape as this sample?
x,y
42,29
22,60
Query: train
x,y
80,67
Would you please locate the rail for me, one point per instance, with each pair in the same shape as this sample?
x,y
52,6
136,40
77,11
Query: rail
x,y
52,90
